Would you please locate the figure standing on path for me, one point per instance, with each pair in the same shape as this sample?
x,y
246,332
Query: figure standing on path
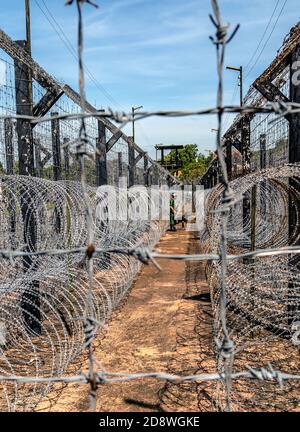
x,y
172,213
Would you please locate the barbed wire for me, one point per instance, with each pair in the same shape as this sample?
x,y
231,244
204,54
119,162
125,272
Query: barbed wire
x,y
262,374
225,345
145,255
279,107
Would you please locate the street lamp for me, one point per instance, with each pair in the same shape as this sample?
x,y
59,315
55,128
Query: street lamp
x,y
240,70
134,109
243,150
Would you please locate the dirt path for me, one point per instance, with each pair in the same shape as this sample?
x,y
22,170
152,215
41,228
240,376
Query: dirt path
x,y
163,325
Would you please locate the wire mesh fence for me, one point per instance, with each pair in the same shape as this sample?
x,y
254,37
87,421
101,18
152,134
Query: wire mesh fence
x,y
63,268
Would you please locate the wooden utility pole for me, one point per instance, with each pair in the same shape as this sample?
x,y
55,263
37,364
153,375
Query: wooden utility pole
x,y
28,46
28,26
241,79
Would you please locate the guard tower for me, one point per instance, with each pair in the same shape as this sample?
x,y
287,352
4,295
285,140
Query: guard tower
x,y
173,162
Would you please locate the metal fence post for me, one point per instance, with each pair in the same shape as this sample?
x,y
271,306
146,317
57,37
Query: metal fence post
x,y
131,163
66,158
30,300
56,153
245,142
229,158
101,156
55,130
120,165
294,156
9,147
263,151
146,174
9,156
37,157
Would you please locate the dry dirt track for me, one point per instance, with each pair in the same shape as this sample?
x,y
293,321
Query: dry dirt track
x,y
163,325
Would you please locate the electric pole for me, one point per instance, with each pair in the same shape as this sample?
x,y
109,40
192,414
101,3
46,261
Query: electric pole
x,y
246,201
28,48
28,25
240,70
241,86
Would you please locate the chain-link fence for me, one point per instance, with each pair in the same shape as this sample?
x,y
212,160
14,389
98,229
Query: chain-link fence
x,y
64,268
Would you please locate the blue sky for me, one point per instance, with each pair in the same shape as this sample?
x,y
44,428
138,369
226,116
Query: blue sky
x,y
154,53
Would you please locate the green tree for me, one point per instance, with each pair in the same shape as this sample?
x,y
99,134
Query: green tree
x,y
194,163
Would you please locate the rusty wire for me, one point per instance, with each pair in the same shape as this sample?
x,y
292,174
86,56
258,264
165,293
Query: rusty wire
x,y
223,201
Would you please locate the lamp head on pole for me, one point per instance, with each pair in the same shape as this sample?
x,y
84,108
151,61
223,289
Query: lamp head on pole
x,y
238,69
137,108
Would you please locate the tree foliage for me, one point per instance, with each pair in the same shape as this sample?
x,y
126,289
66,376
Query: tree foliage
x,y
194,163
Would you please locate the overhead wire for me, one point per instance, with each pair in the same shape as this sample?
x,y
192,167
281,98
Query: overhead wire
x,y
263,35
269,37
66,41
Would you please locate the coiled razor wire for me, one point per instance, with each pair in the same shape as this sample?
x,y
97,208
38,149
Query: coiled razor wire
x,y
62,279
254,286
263,292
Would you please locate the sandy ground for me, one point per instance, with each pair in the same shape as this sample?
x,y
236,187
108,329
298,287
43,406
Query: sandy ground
x,y
164,325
